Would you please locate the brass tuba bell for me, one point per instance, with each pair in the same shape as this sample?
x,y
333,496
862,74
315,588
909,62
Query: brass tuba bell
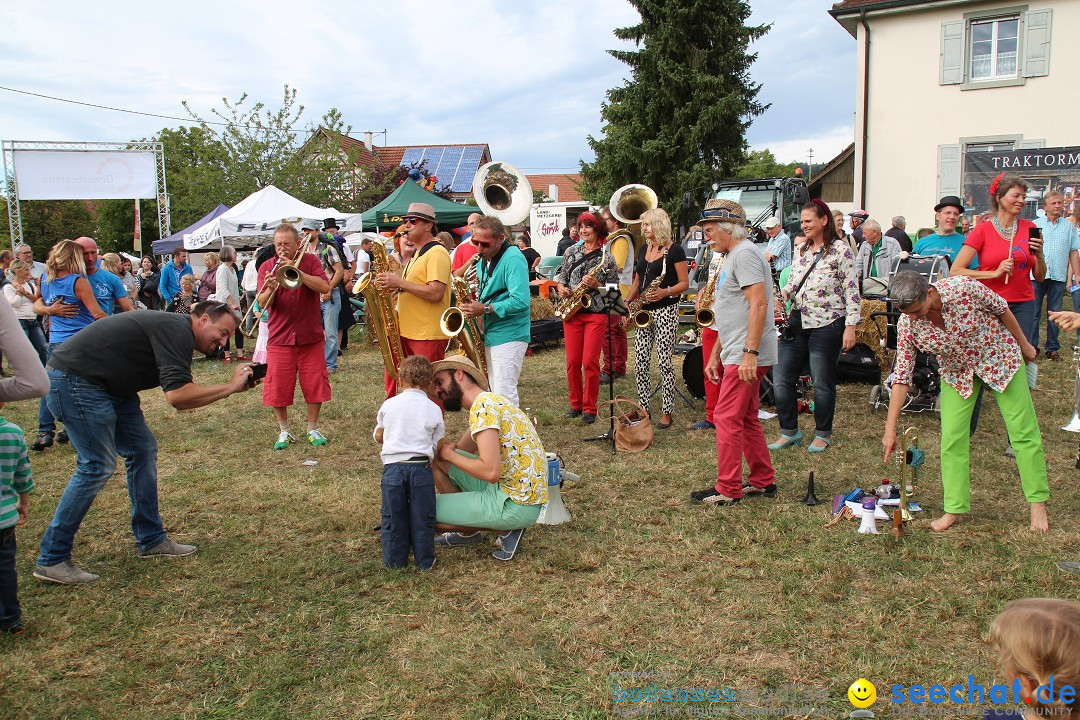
x,y
630,202
502,191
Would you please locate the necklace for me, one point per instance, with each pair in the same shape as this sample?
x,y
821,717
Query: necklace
x,y
1007,233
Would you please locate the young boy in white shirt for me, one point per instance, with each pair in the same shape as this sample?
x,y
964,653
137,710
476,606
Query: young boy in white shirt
x,y
409,426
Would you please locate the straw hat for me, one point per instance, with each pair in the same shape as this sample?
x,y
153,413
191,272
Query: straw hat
x,y
720,210
460,362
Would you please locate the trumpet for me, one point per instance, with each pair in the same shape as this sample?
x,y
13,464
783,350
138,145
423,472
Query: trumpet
x,y
288,276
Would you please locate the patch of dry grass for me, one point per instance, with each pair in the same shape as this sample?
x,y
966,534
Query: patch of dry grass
x,y
286,611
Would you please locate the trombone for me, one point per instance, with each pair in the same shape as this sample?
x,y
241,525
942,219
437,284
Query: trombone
x,y
287,276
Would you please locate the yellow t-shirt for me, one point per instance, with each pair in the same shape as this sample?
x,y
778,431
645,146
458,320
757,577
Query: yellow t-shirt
x,y
419,319
524,464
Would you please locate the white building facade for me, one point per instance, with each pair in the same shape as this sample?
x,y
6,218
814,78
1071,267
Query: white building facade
x,y
938,81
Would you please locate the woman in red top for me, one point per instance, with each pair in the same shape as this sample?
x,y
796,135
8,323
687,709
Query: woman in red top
x,y
1007,255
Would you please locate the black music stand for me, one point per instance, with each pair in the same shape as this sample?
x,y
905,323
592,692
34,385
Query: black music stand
x,y
612,303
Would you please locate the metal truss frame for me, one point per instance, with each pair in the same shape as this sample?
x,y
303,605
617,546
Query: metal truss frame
x,y
10,147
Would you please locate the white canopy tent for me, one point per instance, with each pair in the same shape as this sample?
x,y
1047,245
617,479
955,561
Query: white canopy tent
x,y
252,220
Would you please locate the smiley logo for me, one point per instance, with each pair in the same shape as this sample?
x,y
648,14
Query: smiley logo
x,y
862,693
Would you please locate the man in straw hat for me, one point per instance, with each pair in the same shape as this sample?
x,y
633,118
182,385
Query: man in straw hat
x,y
745,349
495,476
424,286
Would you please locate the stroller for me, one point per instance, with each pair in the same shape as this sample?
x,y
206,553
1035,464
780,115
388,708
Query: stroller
x,y
925,387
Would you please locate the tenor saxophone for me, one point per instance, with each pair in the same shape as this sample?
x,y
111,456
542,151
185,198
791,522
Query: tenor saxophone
x,y
704,315
467,330
640,317
380,305
580,298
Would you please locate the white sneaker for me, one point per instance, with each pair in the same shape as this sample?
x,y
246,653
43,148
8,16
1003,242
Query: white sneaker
x,y
283,441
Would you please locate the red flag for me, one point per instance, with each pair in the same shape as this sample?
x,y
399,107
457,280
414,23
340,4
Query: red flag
x,y
138,229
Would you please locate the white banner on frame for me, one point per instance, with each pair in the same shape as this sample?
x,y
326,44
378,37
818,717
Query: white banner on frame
x,y
85,175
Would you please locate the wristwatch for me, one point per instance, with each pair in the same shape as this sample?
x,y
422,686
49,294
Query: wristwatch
x,y
487,309
748,350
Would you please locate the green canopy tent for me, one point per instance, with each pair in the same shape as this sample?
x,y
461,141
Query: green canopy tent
x,y
387,215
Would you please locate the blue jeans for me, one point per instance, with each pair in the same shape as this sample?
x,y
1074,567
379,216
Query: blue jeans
x,y
823,346
101,425
330,311
46,423
1054,292
10,612
408,515
36,336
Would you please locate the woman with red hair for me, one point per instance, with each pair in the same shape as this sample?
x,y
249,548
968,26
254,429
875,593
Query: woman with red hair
x,y
1007,255
585,331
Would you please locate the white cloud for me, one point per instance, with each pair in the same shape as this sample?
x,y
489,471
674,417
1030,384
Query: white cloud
x,y
526,77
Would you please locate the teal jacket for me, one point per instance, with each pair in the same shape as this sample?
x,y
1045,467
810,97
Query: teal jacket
x,y
506,290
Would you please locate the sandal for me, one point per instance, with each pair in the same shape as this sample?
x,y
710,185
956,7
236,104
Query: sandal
x,y
228,359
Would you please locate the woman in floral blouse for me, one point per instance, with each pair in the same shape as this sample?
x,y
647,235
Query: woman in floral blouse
x,y
977,341
829,302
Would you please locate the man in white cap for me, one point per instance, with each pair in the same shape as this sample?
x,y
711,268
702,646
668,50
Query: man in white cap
x,y
778,251
424,286
495,476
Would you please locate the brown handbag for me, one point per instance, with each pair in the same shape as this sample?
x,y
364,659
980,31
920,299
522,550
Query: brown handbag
x,y
633,426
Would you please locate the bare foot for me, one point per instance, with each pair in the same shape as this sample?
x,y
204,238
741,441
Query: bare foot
x,y
1039,523
944,522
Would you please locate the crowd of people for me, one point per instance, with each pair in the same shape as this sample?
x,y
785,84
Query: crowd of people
x,y
982,324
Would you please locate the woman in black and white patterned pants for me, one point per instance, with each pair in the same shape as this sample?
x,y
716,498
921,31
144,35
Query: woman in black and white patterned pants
x,y
663,260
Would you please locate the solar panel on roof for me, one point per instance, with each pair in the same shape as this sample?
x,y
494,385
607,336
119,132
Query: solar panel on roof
x,y
411,156
448,167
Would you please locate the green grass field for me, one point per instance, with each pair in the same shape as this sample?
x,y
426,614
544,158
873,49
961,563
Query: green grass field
x,y
287,612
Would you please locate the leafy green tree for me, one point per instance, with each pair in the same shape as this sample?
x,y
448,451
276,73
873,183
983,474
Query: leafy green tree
x,y
679,122
45,222
261,146
763,164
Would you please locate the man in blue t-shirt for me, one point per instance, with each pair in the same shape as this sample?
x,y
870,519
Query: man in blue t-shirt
x,y
109,290
946,241
171,274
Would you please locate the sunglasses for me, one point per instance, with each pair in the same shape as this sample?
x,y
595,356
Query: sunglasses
x,y
413,220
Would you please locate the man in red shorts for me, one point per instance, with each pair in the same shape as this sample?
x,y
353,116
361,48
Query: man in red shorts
x,y
296,342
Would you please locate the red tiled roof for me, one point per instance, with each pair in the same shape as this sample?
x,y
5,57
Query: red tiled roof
x,y
365,156
567,184
390,156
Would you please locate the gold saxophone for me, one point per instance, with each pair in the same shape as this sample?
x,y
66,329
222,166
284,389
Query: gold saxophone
x,y
579,298
467,330
380,305
643,318
704,316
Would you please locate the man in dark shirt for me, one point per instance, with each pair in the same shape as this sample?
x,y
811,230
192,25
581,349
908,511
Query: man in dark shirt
x,y
95,391
898,232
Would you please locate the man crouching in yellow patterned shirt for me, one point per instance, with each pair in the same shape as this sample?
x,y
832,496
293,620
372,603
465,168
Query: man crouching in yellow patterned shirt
x,y
495,476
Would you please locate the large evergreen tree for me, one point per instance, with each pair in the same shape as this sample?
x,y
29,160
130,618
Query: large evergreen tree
x,y
679,122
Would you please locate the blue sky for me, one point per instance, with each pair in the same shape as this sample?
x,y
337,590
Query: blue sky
x,y
526,77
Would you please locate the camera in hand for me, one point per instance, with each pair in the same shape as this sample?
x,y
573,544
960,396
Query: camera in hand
x,y
258,372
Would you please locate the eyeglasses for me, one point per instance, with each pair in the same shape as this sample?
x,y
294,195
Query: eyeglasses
x,y
412,220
